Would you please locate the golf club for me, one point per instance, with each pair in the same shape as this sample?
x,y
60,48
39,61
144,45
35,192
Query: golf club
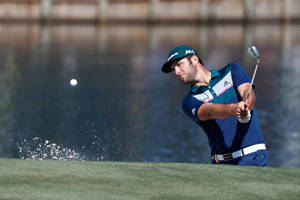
x,y
253,52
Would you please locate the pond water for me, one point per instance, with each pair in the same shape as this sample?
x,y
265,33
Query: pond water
x,y
123,107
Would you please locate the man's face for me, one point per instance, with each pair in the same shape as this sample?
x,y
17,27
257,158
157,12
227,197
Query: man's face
x,y
184,70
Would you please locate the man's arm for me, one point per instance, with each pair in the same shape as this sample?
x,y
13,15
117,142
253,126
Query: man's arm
x,y
222,111
243,91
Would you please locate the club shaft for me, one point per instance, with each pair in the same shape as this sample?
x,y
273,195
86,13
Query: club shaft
x,y
253,77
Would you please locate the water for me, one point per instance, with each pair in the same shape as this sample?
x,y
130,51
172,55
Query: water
x,y
123,108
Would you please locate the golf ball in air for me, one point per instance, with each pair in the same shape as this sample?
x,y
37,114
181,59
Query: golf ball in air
x,y
73,82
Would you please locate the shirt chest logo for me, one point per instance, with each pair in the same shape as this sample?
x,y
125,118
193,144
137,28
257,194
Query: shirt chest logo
x,y
224,84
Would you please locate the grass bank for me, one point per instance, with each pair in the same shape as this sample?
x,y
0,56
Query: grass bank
x,y
26,179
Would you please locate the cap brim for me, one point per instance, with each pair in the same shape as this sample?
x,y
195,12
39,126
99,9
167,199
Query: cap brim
x,y
166,68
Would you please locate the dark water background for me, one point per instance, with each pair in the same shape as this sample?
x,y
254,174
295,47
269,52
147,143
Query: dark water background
x,y
124,108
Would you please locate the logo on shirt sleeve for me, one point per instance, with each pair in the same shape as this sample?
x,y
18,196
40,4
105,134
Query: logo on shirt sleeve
x,y
205,96
193,111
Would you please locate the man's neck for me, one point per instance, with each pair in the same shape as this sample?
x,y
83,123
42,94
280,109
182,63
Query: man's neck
x,y
203,76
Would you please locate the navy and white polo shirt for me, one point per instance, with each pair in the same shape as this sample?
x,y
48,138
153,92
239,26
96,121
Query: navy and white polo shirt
x,y
224,135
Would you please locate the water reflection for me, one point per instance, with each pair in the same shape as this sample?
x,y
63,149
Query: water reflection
x,y
123,107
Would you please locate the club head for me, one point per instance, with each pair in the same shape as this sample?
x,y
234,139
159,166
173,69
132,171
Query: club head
x,y
254,52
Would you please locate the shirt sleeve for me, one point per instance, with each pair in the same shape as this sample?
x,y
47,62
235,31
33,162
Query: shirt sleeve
x,y
190,106
239,75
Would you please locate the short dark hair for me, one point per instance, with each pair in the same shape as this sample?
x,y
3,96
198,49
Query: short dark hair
x,y
189,58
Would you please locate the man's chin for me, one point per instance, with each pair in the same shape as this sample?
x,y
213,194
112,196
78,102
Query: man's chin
x,y
185,81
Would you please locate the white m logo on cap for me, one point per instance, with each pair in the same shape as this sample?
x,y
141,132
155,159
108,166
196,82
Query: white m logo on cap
x,y
189,51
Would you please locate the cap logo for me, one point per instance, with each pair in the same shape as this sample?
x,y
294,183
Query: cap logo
x,y
174,54
189,52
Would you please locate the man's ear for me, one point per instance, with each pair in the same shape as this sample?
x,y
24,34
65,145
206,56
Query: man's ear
x,y
194,59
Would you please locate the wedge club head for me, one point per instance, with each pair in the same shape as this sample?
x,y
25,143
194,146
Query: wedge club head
x,y
253,52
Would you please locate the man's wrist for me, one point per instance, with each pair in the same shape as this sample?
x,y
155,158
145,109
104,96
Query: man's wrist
x,y
231,108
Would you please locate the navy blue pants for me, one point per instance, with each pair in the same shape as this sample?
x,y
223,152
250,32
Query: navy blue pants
x,y
259,158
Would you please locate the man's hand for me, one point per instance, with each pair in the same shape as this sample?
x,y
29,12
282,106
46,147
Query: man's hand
x,y
240,110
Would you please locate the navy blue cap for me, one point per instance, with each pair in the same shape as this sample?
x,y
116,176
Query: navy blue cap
x,y
177,53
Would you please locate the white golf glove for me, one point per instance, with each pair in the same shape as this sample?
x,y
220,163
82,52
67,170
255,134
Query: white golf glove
x,y
246,119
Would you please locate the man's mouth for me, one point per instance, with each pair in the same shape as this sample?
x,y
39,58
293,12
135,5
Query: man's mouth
x,y
181,77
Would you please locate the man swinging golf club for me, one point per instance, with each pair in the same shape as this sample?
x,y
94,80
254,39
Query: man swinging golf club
x,y
222,103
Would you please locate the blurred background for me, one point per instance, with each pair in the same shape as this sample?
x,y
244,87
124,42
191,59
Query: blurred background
x,y
123,107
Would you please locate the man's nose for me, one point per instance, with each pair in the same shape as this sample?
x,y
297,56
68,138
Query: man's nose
x,y
176,70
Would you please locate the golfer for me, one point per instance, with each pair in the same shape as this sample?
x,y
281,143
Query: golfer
x,y
216,102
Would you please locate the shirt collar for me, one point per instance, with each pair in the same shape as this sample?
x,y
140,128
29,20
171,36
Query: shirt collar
x,y
214,73
196,88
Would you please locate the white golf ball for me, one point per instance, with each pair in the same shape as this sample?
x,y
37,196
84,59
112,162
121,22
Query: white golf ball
x,y
73,82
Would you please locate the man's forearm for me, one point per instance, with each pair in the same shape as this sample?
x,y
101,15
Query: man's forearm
x,y
215,111
243,91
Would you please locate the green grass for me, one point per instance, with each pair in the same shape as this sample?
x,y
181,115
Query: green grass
x,y
25,179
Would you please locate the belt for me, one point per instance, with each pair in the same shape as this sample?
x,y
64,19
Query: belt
x,y
239,153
